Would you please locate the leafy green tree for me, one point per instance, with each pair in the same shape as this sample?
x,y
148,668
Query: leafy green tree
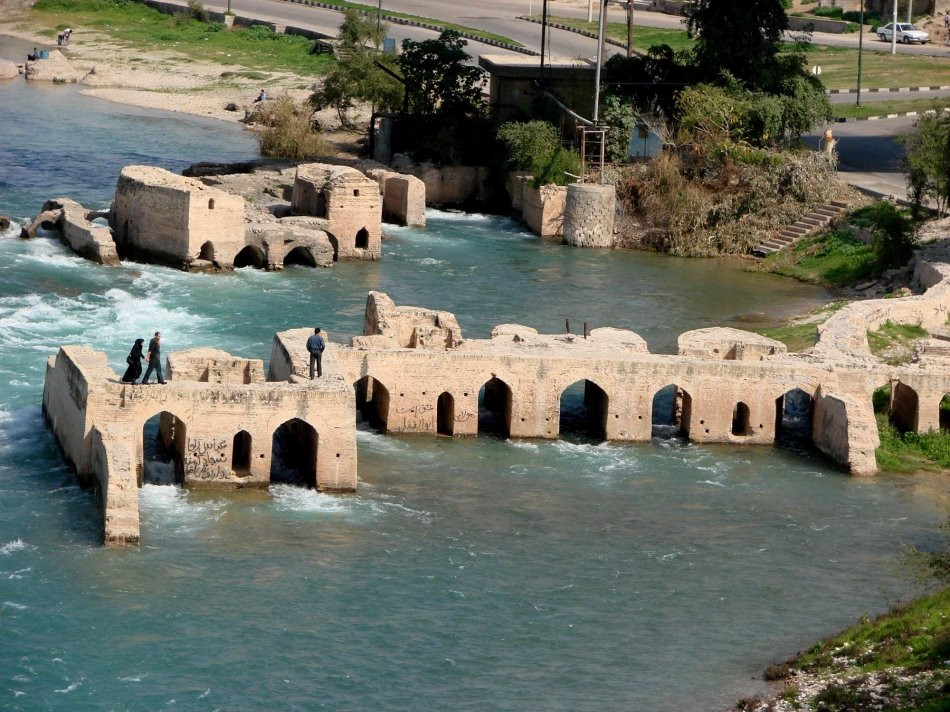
x,y
356,78
535,146
928,161
893,235
438,79
740,38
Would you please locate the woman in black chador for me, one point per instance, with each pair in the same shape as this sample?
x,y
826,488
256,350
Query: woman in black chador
x,y
134,360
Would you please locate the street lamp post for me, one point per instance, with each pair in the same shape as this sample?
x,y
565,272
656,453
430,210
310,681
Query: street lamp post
x,y
894,30
860,49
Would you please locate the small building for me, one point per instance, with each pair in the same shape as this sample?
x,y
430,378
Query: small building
x,y
163,217
514,84
348,204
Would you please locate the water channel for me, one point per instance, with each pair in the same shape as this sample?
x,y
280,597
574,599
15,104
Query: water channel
x,y
465,574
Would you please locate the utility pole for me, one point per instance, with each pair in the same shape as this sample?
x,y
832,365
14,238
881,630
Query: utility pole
x,y
910,11
600,57
894,30
379,17
544,34
629,28
590,10
860,49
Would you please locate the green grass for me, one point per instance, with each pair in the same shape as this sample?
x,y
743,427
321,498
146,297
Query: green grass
x,y
834,258
802,333
894,343
372,9
839,65
911,452
142,28
643,37
914,636
880,108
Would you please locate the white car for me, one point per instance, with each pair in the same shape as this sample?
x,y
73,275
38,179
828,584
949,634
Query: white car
x,y
906,33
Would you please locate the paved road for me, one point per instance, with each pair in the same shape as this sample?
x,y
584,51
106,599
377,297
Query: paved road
x,y
869,154
867,98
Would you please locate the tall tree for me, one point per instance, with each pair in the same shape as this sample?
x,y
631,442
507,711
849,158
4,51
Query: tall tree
x,y
439,80
740,37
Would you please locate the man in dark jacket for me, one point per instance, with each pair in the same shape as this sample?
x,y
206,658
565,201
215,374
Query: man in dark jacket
x,y
316,345
154,359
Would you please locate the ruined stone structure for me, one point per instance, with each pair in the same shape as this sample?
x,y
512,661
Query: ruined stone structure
x,y
589,215
221,422
163,217
76,230
347,206
404,197
412,372
542,209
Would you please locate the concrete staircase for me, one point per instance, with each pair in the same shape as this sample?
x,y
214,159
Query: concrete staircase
x,y
811,223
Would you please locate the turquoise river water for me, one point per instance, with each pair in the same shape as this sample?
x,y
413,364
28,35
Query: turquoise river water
x,y
478,574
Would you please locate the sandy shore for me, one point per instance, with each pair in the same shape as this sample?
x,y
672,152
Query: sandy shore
x,y
166,79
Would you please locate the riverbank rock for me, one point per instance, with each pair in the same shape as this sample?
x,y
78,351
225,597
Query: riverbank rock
x,y
8,69
54,69
4,222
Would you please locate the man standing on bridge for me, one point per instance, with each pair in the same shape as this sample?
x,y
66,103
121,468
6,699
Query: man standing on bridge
x,y
316,345
154,359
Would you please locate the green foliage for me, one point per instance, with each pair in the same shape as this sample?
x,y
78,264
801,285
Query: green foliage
x,y
834,257
555,167
439,81
741,39
928,161
893,234
833,12
935,566
356,77
620,117
197,11
288,132
525,143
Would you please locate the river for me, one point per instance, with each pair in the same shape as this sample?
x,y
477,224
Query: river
x,y
464,574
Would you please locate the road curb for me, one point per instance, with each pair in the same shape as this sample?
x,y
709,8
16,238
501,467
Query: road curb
x,y
423,25
882,117
885,90
584,33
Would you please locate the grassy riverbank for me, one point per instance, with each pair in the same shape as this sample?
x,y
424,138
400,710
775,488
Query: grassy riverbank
x,y
895,662
839,65
140,28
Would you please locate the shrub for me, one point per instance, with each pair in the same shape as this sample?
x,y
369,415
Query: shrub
x,y
620,117
833,12
558,167
525,142
288,132
893,234
197,11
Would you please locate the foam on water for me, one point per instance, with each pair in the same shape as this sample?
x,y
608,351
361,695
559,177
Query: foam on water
x,y
12,546
169,507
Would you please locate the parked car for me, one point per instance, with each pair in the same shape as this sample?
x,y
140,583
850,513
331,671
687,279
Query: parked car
x,y
906,33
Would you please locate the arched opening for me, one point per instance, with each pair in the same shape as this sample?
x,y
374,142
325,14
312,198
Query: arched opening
x,y
584,410
445,414
793,419
163,450
210,203
372,403
294,454
250,256
362,239
672,408
494,408
320,205
945,412
335,244
207,252
904,408
300,256
241,453
740,420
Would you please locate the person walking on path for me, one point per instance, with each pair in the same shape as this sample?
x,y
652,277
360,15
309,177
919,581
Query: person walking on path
x,y
134,359
154,359
316,345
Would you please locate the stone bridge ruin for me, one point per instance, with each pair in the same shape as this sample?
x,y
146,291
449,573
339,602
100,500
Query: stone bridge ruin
x,y
223,424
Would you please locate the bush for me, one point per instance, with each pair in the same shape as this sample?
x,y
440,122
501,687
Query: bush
x,y
832,12
893,235
558,167
928,161
525,142
620,117
197,11
288,132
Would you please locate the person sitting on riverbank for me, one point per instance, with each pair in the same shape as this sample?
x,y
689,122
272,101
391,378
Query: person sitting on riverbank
x,y
261,97
34,56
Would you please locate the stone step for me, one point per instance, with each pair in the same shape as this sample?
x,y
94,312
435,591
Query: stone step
x,y
839,204
809,224
827,212
798,229
783,240
789,233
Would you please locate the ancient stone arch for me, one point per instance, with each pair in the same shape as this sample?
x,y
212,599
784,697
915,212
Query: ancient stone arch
x,y
372,402
905,407
495,405
250,256
445,414
944,407
794,412
591,415
207,250
741,426
672,407
294,452
241,452
169,437
300,255
362,239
